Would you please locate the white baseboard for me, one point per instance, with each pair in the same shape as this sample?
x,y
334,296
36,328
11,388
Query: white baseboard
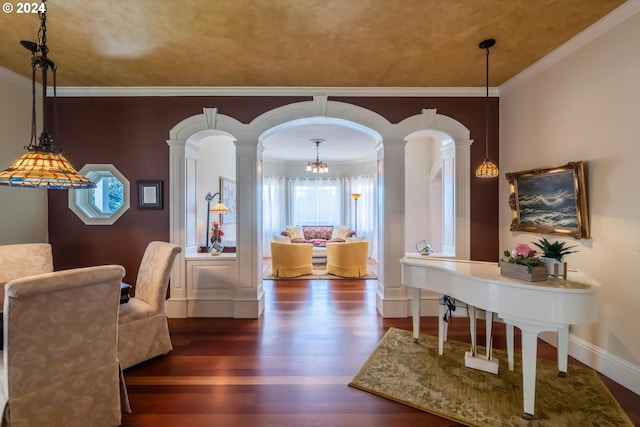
x,y
624,373
619,370
176,308
389,308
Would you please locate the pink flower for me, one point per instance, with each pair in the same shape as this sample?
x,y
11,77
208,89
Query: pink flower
x,y
523,250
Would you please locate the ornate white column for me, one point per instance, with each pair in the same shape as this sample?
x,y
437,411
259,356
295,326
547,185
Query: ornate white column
x,y
183,160
249,292
392,299
463,198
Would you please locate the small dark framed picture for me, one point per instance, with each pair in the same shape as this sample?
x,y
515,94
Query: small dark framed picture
x,y
150,194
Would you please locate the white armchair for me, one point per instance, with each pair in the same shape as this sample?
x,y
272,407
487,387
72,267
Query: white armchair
x,y
23,260
143,332
60,365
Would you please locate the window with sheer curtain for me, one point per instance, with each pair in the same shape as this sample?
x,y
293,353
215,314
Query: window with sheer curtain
x,y
319,201
315,201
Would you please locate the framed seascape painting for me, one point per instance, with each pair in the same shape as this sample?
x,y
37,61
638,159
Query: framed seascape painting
x,y
550,200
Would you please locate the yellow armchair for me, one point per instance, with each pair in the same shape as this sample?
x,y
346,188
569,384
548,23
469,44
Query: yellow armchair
x,y
348,259
291,259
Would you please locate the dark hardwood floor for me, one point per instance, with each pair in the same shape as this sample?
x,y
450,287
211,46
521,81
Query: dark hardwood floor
x,y
291,367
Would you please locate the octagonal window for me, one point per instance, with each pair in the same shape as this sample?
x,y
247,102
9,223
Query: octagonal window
x,y
104,204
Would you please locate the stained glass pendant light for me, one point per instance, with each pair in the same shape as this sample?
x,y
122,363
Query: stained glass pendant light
x,y
487,169
43,166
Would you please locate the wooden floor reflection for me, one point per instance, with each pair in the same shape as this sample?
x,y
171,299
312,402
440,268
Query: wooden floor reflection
x,y
291,366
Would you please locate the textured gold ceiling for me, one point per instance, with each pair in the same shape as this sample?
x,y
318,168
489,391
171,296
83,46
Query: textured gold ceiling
x,y
333,43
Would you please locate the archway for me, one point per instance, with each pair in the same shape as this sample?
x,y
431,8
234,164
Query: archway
x,y
348,148
232,286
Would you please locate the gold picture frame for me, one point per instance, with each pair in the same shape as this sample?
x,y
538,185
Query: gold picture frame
x,y
550,200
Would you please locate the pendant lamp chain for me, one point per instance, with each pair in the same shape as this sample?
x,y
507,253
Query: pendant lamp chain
x,y
43,166
487,169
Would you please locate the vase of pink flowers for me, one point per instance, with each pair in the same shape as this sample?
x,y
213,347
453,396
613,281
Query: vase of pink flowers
x,y
216,238
522,262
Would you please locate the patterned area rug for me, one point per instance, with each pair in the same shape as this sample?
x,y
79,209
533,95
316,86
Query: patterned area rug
x,y
414,374
319,273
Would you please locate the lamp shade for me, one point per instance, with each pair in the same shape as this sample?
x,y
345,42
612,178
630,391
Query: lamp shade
x,y
219,208
487,170
43,169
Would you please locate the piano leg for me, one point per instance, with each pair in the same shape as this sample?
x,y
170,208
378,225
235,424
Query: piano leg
x,y
472,330
488,336
509,329
529,355
443,328
415,312
563,350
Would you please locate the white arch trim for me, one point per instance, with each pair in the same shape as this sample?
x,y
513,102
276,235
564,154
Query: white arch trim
x,y
246,299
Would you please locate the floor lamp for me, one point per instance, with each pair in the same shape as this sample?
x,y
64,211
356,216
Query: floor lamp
x,y
218,208
356,196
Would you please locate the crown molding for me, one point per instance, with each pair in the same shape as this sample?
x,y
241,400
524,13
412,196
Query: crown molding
x,y
274,91
616,17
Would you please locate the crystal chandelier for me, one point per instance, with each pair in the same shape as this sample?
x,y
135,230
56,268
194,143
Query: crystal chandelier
x,y
317,166
43,166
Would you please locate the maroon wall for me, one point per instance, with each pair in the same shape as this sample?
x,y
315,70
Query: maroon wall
x,y
131,134
471,113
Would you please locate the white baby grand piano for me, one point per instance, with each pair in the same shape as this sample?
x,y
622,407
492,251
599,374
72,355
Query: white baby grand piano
x,y
533,307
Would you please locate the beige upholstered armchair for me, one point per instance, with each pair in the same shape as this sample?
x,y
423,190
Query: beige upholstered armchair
x,y
24,260
143,331
60,350
291,259
348,259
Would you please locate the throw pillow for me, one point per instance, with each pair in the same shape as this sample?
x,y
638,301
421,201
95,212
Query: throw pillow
x,y
340,232
295,232
284,239
356,239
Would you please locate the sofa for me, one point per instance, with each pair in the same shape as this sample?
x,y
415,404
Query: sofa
x,y
318,236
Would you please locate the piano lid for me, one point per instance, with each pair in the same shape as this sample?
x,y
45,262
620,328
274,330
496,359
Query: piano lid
x,y
490,271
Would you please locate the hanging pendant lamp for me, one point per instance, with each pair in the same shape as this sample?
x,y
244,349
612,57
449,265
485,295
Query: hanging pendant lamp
x,y
43,166
317,166
487,169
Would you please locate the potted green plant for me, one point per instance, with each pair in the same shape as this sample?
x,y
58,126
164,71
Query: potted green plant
x,y
553,253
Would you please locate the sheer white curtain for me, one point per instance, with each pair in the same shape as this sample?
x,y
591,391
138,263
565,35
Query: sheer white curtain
x,y
320,201
315,201
274,209
366,221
